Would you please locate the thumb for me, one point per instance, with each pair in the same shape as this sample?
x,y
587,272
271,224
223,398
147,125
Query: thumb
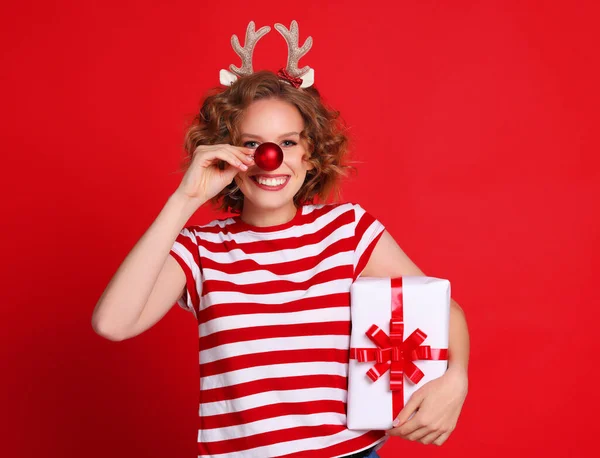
x,y
411,406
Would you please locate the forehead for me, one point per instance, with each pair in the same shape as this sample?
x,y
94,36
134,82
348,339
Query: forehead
x,y
269,117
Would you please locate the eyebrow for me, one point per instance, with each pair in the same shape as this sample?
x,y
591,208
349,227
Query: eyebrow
x,y
258,136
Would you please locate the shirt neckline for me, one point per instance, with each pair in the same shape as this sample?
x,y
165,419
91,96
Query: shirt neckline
x,y
249,227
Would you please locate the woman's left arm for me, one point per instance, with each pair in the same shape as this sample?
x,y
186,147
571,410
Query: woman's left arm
x,y
437,404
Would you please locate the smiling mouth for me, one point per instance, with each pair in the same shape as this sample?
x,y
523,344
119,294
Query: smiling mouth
x,y
271,187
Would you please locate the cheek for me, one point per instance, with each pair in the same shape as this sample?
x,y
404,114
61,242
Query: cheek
x,y
296,159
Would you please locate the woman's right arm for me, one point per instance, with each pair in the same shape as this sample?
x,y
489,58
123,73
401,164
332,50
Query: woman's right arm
x,y
149,281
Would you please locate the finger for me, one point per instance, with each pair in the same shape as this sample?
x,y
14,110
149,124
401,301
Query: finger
x,y
244,149
245,154
413,435
411,406
417,434
412,425
240,163
207,159
440,440
429,438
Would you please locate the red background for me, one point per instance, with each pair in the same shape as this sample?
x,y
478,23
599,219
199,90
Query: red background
x,y
473,122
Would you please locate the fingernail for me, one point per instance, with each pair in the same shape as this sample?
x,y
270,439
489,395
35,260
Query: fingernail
x,y
396,423
245,167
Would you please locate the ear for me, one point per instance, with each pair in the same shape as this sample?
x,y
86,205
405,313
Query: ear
x,y
309,165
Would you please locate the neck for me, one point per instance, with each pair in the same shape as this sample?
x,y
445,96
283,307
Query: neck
x,y
264,217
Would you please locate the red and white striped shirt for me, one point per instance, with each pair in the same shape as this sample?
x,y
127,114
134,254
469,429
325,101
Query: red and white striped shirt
x,y
273,311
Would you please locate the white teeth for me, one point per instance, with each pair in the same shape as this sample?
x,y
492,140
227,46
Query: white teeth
x,y
271,181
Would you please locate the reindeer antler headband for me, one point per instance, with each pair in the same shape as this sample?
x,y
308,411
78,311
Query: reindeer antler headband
x,y
304,77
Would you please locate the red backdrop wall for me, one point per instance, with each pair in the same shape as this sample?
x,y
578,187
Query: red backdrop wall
x,y
473,121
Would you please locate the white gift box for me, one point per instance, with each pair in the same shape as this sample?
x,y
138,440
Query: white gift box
x,y
425,304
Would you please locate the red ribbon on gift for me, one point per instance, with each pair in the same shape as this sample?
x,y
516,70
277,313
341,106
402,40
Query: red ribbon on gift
x,y
395,354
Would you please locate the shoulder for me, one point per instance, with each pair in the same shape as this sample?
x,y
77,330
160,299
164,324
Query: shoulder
x,y
364,220
337,214
338,207
348,213
327,210
358,210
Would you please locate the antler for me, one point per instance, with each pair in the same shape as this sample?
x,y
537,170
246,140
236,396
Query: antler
x,y
294,53
245,53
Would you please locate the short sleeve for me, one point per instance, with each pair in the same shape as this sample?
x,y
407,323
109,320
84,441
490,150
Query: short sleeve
x,y
368,230
186,252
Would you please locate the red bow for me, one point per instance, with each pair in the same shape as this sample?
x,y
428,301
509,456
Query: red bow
x,y
394,354
296,82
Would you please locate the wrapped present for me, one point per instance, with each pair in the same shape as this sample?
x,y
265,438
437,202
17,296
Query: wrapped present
x,y
399,342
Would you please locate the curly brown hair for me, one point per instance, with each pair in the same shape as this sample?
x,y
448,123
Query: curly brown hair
x,y
324,132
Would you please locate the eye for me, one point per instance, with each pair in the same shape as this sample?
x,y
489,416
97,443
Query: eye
x,y
292,143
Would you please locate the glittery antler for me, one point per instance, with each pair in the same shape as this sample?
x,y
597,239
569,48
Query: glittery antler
x,y
291,72
295,53
245,53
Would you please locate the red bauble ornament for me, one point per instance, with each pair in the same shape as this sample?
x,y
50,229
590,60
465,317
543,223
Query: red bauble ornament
x,y
268,156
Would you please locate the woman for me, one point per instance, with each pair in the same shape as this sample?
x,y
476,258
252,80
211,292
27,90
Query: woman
x,y
269,286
